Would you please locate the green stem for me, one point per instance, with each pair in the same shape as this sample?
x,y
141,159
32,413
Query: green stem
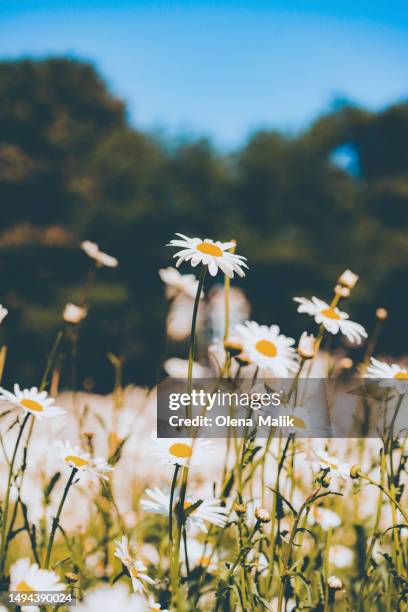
x,y
7,497
172,491
55,521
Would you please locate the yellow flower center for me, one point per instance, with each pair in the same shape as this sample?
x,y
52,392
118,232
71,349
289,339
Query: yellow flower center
x,y
77,461
209,249
181,450
299,423
330,313
187,504
23,586
267,348
32,405
401,375
134,572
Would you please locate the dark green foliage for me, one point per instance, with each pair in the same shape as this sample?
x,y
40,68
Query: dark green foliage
x,y
71,168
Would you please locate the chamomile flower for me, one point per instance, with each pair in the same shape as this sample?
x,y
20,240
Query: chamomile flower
x,y
391,376
336,467
181,451
3,313
215,255
209,511
136,568
333,319
73,457
33,401
267,348
27,577
111,597
177,283
324,517
101,258
73,313
341,556
307,346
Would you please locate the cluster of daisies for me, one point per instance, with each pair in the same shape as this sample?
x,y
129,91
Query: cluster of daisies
x,y
265,346
261,346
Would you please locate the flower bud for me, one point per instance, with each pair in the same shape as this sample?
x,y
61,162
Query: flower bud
x,y
243,359
233,346
381,314
348,279
346,363
307,346
240,509
262,515
74,314
335,583
355,472
342,291
71,577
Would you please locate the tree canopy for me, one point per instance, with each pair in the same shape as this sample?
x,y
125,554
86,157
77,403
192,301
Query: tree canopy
x,y
302,207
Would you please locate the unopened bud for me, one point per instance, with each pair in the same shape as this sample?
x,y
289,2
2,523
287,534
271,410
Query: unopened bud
x,y
346,363
240,509
262,515
243,359
307,346
233,346
71,577
342,291
355,471
348,279
381,314
335,583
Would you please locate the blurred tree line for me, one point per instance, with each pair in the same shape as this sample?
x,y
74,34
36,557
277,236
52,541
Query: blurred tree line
x,y
302,208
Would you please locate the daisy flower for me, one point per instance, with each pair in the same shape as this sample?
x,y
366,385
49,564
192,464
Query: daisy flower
x,y
395,376
73,457
341,556
333,319
325,518
267,348
136,568
178,368
181,451
74,314
336,467
215,255
27,577
3,313
111,597
101,258
177,283
210,510
32,401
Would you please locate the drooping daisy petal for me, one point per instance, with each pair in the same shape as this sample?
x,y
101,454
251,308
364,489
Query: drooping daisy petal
x,y
101,258
137,570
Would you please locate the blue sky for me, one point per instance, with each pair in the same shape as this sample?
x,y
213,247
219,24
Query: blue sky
x,y
223,69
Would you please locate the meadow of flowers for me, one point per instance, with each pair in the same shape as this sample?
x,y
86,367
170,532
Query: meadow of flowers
x,y
94,505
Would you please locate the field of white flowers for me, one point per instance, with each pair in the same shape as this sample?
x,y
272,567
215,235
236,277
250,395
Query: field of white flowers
x,y
95,506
